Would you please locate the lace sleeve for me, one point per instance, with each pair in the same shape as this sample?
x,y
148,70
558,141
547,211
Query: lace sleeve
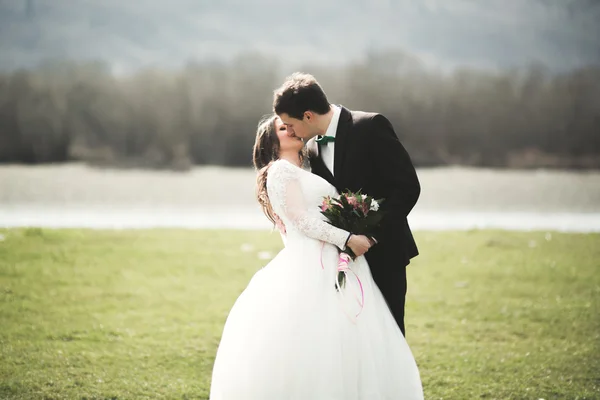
x,y
287,200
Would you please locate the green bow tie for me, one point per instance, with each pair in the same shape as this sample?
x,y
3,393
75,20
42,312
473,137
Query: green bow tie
x,y
325,139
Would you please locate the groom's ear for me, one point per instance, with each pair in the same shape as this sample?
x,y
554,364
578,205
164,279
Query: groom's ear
x,y
308,115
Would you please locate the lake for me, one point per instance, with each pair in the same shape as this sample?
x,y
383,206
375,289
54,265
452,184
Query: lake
x,y
76,195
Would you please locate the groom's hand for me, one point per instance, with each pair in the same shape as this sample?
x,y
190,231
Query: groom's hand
x,y
359,244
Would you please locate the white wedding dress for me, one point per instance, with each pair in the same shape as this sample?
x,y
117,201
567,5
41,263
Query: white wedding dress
x,y
291,335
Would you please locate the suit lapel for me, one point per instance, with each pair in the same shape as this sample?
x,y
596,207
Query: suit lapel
x,y
317,165
341,139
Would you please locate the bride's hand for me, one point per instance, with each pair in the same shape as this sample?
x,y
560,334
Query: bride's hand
x,y
359,244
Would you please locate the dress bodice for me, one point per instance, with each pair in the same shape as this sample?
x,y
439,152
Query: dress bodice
x,y
296,196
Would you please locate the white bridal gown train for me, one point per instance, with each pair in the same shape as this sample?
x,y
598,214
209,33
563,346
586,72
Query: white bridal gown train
x,y
291,335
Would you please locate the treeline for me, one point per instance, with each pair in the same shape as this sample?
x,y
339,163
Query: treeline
x,y
206,113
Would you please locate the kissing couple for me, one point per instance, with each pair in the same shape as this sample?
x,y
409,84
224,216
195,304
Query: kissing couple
x,y
287,335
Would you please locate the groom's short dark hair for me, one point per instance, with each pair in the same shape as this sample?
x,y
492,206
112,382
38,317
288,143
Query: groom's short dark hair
x,y
299,93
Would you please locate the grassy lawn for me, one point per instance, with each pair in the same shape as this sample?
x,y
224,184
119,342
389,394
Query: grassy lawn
x,y
138,314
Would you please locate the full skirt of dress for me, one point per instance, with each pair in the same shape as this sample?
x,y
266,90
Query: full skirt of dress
x,y
291,335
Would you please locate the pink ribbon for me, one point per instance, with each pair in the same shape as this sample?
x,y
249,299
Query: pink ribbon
x,y
343,261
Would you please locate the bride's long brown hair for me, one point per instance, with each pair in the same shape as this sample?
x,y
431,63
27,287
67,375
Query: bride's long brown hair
x,y
264,153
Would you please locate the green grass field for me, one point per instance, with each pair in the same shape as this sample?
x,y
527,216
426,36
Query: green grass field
x,y
138,314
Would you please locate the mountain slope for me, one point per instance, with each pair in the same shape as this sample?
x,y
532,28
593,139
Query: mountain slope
x,y
559,33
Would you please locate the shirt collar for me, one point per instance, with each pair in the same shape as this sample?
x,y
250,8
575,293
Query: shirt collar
x,y
335,119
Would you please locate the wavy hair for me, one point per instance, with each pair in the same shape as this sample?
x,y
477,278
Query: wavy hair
x,y
264,152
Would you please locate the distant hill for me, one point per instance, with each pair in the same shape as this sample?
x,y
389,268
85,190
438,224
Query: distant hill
x,y
561,34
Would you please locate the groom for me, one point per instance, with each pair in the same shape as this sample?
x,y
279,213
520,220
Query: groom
x,y
357,150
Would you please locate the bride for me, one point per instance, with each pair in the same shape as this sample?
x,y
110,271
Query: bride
x,y
290,334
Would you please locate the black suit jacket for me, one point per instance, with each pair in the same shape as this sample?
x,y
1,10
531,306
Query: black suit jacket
x,y
369,156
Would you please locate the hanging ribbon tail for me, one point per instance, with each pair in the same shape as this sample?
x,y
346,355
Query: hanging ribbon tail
x,y
322,247
342,267
343,262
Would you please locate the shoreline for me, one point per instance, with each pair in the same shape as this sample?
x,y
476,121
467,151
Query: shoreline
x,y
253,219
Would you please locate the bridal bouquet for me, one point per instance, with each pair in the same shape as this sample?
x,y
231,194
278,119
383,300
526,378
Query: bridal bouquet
x,y
354,212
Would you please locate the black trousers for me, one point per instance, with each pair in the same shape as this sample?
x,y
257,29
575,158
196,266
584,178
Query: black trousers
x,y
391,280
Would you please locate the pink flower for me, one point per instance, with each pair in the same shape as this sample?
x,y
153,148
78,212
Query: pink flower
x,y
326,204
365,208
352,201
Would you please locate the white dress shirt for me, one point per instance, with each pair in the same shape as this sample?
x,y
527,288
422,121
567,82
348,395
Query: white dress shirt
x,y
328,150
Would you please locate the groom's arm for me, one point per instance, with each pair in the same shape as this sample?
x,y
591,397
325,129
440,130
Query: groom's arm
x,y
394,168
